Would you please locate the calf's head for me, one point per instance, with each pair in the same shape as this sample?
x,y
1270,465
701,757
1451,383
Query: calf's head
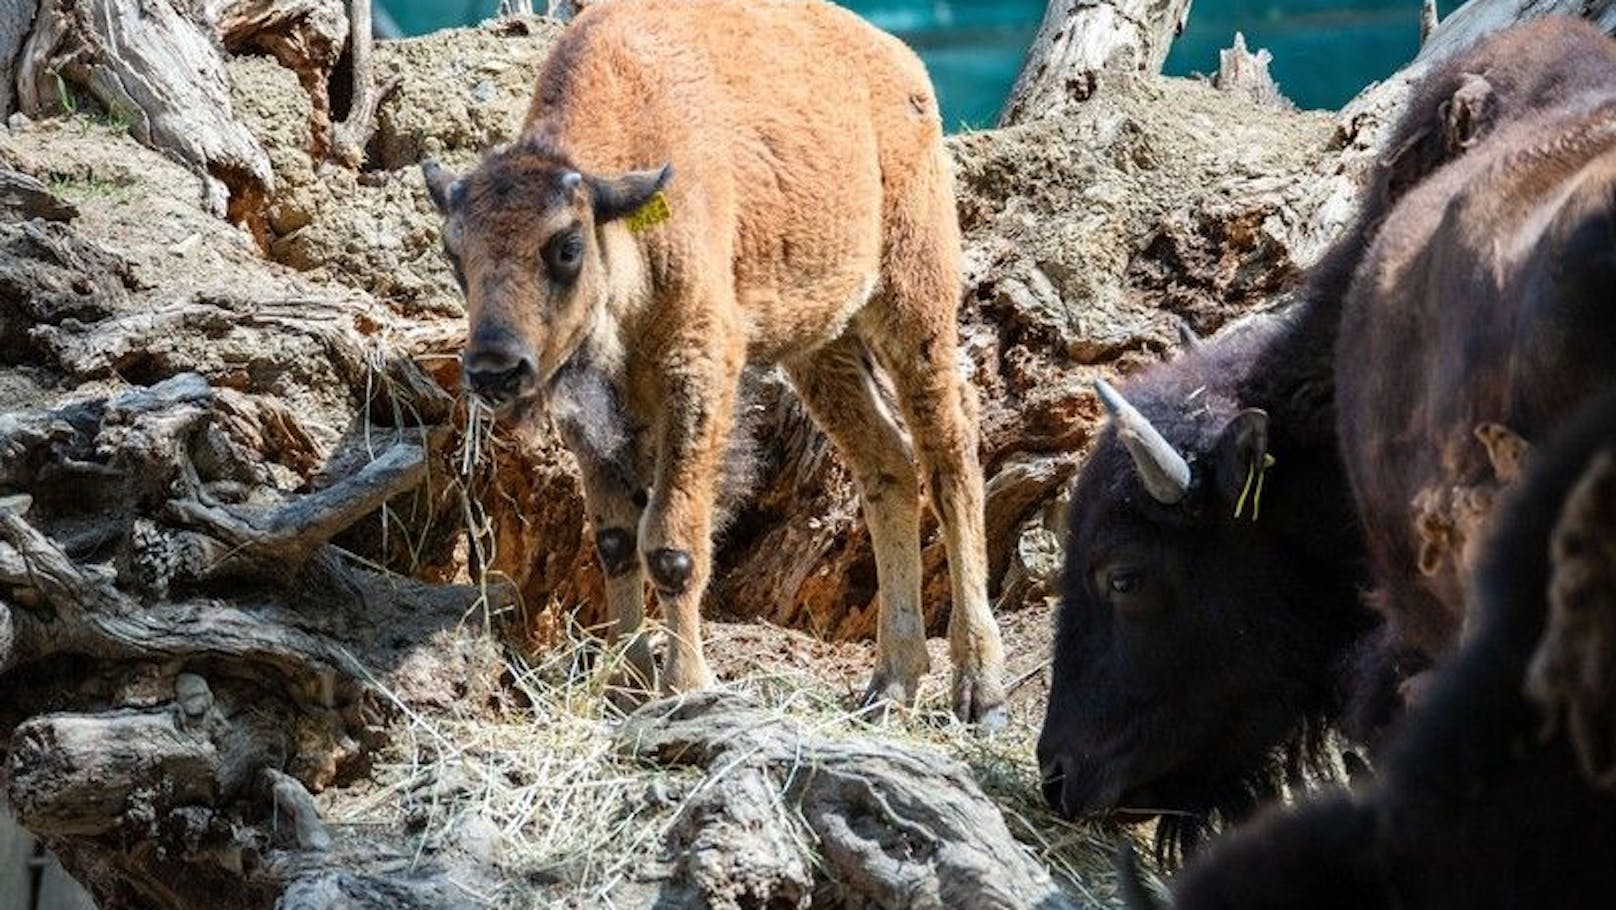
x,y
526,233
1181,666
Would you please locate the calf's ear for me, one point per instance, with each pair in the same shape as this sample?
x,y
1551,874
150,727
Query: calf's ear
x,y
623,195
1241,455
441,185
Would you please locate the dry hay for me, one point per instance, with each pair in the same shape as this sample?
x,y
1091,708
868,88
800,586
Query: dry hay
x,y
521,774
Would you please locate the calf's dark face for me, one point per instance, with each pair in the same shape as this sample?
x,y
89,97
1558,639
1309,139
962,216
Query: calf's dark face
x,y
1169,655
524,234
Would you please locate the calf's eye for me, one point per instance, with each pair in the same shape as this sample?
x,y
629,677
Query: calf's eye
x,y
564,254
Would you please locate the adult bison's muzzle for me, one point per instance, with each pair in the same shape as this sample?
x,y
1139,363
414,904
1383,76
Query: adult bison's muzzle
x,y
1075,786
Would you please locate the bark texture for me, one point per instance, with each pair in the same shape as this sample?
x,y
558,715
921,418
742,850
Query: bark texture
x,y
155,67
1246,74
15,21
186,657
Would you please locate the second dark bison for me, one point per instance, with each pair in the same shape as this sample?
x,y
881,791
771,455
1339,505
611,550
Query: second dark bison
x,y
1485,800
1212,624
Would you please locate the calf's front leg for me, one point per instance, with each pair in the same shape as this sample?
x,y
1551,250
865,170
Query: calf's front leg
x,y
699,390
615,501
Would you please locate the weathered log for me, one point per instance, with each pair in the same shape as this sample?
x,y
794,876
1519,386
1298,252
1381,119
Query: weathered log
x,y
107,784
354,133
895,826
154,66
72,774
22,197
1080,40
16,18
220,541
1430,18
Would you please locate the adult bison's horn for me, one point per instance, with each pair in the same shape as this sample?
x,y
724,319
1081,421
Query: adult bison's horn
x,y
1164,472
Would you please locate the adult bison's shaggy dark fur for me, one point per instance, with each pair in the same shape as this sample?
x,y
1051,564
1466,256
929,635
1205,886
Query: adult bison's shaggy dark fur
x,y
1210,607
1485,800
1485,310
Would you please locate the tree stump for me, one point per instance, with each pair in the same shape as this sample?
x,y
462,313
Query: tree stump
x,y
1079,40
1246,74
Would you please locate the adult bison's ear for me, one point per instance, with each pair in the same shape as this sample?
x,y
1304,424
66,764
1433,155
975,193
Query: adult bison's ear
x,y
623,195
1467,115
1241,456
441,184
1463,118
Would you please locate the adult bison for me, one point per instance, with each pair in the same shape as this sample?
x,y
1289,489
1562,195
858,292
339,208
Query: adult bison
x,y
1211,589
1484,312
1486,799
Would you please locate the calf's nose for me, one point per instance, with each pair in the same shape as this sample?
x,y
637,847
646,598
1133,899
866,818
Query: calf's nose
x,y
500,375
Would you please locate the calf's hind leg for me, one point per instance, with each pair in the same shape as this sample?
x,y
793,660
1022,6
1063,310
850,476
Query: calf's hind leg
x,y
835,384
934,404
911,327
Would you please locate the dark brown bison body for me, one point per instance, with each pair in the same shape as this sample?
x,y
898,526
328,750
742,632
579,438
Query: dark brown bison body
x,y
1199,653
1485,310
1474,808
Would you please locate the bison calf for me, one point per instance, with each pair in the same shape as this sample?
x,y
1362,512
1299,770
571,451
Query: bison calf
x,y
811,224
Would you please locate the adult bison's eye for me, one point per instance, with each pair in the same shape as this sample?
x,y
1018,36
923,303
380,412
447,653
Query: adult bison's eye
x,y
564,255
1124,581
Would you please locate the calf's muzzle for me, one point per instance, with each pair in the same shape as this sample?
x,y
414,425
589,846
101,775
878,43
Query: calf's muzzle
x,y
500,374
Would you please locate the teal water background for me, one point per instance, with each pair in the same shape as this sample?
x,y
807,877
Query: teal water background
x,y
1324,50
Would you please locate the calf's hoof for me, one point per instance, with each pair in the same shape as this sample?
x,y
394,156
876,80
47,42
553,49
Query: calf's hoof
x,y
670,569
686,674
887,692
635,680
979,699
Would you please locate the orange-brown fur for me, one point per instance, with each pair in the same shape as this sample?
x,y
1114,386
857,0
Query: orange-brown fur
x,y
812,227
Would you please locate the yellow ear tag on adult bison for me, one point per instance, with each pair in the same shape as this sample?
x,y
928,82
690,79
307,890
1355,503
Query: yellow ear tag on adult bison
x,y
1253,474
655,211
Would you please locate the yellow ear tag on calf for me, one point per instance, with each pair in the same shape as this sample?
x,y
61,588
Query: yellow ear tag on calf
x,y
655,211
1253,474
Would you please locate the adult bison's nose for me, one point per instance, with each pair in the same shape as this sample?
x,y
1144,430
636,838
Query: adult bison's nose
x,y
1054,783
500,374
1074,787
